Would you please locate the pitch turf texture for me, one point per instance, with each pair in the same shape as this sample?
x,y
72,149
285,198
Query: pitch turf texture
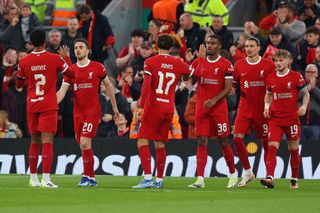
x,y
114,194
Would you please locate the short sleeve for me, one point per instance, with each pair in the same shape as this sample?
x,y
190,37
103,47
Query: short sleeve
x,y
194,69
229,71
268,87
62,65
20,73
66,80
147,68
236,73
301,82
102,72
184,68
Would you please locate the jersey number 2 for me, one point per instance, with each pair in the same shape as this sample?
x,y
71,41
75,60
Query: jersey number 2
x,y
41,81
169,75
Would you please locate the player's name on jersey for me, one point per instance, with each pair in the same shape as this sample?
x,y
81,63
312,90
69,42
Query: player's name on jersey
x,y
39,67
167,66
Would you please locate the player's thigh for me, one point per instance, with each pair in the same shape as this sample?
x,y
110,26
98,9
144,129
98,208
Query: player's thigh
x,y
260,127
165,125
203,125
242,125
293,131
77,125
221,125
89,126
275,132
48,121
33,123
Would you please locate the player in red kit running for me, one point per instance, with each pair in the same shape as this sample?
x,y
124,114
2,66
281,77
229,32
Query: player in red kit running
x,y
87,110
40,71
281,108
161,74
250,73
214,81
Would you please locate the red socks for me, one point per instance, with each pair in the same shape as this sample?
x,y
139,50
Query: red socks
x,y
47,156
295,162
202,154
271,160
33,157
88,163
242,152
229,157
160,161
145,158
264,144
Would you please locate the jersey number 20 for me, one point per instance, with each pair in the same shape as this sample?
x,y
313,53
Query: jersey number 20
x,y
171,76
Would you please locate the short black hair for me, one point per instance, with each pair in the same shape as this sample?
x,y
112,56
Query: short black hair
x,y
215,37
137,32
83,40
38,37
252,38
165,41
275,31
84,9
312,29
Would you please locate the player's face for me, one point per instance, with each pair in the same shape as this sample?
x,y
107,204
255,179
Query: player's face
x,y
80,50
252,49
213,46
281,63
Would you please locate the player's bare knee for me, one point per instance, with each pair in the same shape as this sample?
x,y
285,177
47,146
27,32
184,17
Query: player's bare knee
x,y
293,145
159,144
202,141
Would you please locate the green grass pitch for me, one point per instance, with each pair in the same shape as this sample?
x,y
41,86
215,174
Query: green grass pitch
x,y
114,194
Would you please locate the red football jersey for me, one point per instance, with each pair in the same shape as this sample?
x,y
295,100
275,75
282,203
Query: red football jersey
x,y
86,87
285,90
252,77
40,70
210,82
165,72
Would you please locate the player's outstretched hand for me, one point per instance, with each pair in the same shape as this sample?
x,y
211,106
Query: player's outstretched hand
x,y
202,51
302,111
64,51
266,113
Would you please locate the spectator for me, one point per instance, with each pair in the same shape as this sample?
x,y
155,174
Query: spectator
x,y
14,103
54,40
309,12
153,30
7,128
129,88
203,10
306,48
96,29
28,21
317,60
8,67
167,11
219,29
310,129
38,7
317,23
238,50
193,34
58,11
292,28
276,41
71,35
10,30
122,129
130,52
252,29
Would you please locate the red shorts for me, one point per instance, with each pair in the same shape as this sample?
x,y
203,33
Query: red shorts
x,y
86,126
243,126
212,125
155,126
276,132
43,122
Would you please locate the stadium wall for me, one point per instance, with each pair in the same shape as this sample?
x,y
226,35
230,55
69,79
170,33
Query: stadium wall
x,y
120,157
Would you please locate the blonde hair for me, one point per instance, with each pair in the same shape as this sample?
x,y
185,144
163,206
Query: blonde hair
x,y
281,53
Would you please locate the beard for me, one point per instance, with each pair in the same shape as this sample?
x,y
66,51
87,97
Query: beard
x,y
81,57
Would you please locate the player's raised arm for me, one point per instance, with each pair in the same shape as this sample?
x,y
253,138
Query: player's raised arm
x,y
111,94
62,92
66,69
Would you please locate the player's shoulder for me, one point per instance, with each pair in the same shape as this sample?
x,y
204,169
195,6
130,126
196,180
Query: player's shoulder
x,y
267,62
295,74
96,64
225,61
241,62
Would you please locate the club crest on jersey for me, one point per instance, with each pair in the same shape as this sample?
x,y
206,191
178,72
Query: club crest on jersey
x,y
261,73
216,71
90,75
289,85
